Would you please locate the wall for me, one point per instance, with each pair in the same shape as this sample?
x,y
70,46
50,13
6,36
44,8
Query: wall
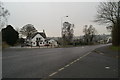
x,y
34,40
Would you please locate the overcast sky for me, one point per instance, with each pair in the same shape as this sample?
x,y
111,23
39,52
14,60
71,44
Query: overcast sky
x,y
48,15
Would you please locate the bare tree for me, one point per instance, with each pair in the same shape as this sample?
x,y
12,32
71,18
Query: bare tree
x,y
89,33
109,13
4,13
67,32
28,30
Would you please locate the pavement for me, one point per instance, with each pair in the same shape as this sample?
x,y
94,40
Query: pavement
x,y
75,62
18,46
107,51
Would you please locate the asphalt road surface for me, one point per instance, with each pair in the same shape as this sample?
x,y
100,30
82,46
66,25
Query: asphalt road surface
x,y
74,62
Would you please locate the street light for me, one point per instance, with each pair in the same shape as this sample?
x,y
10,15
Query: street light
x,y
62,23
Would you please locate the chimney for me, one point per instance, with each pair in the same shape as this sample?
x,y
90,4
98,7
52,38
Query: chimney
x,y
43,31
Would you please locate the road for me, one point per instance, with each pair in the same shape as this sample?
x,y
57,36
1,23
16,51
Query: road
x,y
74,62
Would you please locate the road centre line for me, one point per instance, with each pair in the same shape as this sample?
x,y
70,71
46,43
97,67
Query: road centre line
x,y
68,64
75,61
61,69
78,59
53,73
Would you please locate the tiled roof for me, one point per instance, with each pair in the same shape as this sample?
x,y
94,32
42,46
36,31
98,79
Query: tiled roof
x,y
41,33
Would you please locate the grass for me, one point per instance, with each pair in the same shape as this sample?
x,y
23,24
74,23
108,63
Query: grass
x,y
5,45
115,48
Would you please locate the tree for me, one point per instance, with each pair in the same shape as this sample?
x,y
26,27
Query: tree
x,y
9,35
4,13
67,32
89,33
21,41
109,13
28,30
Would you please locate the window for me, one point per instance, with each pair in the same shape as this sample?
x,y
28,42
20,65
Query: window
x,y
40,43
36,39
41,40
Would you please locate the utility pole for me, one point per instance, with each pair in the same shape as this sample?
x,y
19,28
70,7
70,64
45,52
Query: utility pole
x,y
62,28
62,24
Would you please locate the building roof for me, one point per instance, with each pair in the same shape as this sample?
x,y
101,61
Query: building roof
x,y
41,33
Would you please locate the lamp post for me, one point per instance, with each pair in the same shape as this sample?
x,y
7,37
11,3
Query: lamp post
x,y
62,23
62,28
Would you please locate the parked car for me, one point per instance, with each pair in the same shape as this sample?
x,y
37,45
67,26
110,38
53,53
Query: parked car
x,y
46,45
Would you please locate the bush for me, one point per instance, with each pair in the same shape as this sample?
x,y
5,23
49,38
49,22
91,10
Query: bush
x,y
9,35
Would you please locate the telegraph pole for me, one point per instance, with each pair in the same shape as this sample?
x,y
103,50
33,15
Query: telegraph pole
x,y
62,28
62,24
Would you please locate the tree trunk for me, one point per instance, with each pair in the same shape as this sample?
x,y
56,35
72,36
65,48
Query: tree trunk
x,y
116,35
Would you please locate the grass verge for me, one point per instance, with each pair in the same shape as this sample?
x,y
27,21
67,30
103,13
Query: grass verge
x,y
5,45
115,48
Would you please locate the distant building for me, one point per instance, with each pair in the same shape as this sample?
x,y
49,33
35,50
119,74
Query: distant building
x,y
109,39
39,39
52,42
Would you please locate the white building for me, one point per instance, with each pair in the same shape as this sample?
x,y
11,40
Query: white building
x,y
109,39
38,39
52,42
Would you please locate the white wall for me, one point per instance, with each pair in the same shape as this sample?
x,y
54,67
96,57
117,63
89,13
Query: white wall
x,y
53,42
34,40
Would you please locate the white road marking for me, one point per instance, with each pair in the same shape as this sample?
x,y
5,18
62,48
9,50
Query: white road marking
x,y
61,69
101,53
75,61
78,59
71,62
53,73
82,47
85,55
68,64
107,67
